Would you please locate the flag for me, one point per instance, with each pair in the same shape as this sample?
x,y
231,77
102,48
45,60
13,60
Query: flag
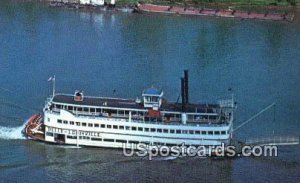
x,y
52,78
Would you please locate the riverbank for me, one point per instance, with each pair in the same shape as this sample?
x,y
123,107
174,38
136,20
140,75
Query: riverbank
x,y
250,5
287,13
228,12
277,6
103,6
225,13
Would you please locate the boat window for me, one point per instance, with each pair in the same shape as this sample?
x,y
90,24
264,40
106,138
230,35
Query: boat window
x,y
83,124
71,122
86,109
90,125
121,141
133,142
166,131
79,109
70,108
77,123
146,129
140,128
98,110
102,125
133,128
159,130
172,131
203,132
127,127
170,144
84,137
59,121
96,125
71,137
92,109
48,119
49,134
154,99
153,130
210,133
178,131
223,132
108,126
96,139
65,122
121,127
108,140
158,143
191,131
184,131
197,132
115,127
217,133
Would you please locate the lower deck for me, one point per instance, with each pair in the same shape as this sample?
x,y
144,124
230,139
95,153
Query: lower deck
x,y
120,136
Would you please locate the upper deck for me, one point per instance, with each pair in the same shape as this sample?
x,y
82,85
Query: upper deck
x,y
151,107
130,104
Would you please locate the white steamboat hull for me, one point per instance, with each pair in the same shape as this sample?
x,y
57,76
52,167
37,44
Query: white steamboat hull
x,y
116,133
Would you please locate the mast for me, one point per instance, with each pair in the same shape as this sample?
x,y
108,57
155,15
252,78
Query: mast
x,y
52,79
53,89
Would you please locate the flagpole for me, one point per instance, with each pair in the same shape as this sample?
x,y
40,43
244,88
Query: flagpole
x,y
53,87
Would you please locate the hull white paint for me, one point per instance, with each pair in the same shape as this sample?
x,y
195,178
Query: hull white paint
x,y
116,137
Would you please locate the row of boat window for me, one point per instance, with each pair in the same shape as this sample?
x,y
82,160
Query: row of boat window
x,y
116,140
133,128
119,140
113,140
96,110
125,113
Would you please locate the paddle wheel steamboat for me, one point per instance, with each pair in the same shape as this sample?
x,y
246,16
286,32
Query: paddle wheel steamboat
x,y
112,122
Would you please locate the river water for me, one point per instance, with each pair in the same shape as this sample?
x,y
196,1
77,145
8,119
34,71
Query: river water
x,y
120,54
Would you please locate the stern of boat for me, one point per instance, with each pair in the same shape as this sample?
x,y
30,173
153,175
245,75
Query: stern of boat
x,y
34,128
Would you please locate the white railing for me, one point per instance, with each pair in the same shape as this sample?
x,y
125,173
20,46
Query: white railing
x,y
277,140
145,122
226,103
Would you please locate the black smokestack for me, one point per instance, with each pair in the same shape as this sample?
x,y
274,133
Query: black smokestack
x,y
186,86
183,94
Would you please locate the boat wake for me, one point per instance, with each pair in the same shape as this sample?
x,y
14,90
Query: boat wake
x,y
12,132
166,158
69,147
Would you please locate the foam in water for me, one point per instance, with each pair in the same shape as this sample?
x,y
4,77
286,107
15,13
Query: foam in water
x,y
12,132
68,147
161,158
